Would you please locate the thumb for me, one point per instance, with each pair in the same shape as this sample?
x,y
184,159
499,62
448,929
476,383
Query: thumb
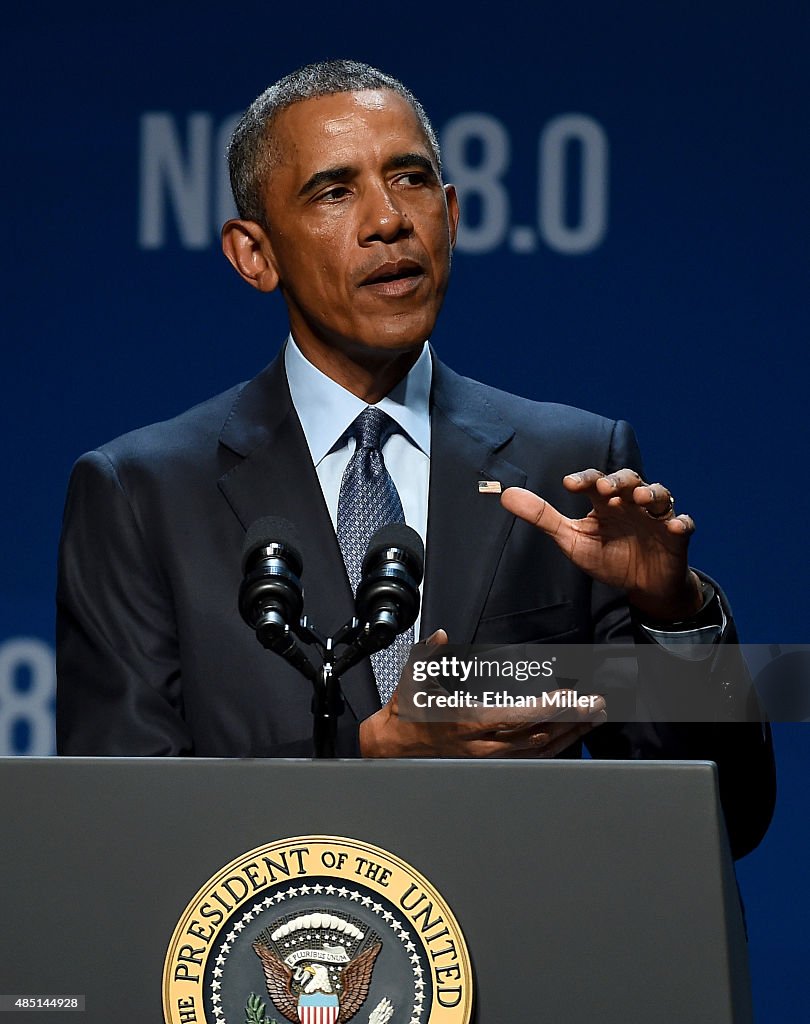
x,y
436,639
531,507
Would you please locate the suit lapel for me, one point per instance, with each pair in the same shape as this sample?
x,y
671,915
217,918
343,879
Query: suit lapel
x,y
466,530
276,477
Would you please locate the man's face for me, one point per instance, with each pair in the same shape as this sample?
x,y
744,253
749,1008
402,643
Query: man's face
x,y
360,228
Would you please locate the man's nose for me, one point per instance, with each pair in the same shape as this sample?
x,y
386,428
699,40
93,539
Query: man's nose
x,y
384,219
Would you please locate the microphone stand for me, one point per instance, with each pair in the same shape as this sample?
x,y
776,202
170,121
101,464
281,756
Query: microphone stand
x,y
328,703
327,706
270,599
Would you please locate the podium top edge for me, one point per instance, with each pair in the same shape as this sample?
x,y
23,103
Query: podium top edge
x,y
359,764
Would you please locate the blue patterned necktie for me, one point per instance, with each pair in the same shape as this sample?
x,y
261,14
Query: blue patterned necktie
x,y
368,501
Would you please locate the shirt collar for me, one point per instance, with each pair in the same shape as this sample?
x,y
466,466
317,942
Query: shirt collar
x,y
326,409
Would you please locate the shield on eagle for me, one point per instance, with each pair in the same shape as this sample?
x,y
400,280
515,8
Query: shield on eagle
x,y
318,1009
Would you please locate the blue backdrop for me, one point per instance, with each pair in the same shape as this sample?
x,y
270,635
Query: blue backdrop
x,y
635,240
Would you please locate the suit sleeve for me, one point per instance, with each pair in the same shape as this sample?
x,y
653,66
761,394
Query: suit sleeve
x,y
742,750
118,668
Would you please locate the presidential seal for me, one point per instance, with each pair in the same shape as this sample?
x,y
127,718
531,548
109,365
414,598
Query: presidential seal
x,y
317,930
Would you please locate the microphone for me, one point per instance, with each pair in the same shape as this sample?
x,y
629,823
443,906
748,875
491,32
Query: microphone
x,y
270,595
387,600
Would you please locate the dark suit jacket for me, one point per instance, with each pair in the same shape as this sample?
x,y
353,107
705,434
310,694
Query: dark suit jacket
x,y
154,658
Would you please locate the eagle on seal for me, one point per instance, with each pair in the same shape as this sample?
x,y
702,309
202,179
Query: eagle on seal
x,y
352,984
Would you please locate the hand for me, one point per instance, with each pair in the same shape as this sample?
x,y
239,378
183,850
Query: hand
x,y
631,539
485,732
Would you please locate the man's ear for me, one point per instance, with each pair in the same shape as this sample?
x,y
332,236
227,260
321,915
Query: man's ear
x,y
453,212
247,247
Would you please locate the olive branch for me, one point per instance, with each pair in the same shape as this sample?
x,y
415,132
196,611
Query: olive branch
x,y
254,1011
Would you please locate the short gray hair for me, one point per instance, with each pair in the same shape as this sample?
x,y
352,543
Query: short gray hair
x,y
252,149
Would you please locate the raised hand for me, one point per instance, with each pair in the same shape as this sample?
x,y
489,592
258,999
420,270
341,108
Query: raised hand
x,y
631,539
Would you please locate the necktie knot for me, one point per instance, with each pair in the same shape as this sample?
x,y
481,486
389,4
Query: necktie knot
x,y
372,428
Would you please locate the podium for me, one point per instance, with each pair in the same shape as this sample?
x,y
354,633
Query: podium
x,y
587,891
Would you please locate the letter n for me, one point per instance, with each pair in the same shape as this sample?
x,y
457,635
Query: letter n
x,y
170,178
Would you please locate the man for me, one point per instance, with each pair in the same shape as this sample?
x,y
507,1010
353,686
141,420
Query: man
x,y
337,179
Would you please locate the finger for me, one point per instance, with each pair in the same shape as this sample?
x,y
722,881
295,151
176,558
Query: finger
x,y
543,740
478,723
553,717
560,742
436,639
505,723
682,525
508,726
429,644
495,748
653,498
420,650
534,509
582,480
521,746
551,746
620,484
540,736
546,734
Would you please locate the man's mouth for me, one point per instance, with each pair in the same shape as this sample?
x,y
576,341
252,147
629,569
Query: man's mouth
x,y
399,276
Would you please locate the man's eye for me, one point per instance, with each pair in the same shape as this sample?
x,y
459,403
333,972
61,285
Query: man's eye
x,y
412,178
333,194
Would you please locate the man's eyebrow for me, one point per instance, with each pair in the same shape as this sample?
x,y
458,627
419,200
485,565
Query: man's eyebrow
x,y
403,160
325,177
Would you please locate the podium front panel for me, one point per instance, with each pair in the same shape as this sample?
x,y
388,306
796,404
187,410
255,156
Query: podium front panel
x,y
587,891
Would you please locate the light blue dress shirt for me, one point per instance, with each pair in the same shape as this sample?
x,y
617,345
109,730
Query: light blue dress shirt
x,y
326,411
